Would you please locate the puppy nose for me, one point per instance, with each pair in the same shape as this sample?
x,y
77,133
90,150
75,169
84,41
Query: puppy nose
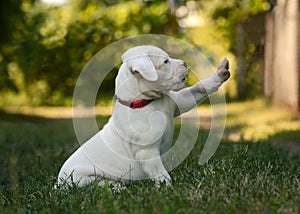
x,y
184,64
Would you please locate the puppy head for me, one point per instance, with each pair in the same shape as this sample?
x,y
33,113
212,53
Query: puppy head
x,y
154,70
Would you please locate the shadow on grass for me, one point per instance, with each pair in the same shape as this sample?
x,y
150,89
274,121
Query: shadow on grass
x,y
9,117
288,140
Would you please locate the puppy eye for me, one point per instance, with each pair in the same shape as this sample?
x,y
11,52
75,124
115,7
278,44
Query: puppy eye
x,y
166,61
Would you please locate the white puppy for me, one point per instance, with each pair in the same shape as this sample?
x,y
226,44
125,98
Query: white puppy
x,y
150,92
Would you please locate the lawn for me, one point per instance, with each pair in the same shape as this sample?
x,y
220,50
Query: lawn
x,y
252,171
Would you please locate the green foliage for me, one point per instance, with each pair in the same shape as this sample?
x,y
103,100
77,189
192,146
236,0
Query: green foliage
x,y
226,15
44,48
248,16
50,45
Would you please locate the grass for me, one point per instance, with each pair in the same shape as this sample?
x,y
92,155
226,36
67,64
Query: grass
x,y
254,120
244,175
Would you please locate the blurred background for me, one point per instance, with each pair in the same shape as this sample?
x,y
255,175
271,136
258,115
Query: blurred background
x,y
44,45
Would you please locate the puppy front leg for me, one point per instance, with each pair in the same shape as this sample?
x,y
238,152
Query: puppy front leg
x,y
153,167
188,98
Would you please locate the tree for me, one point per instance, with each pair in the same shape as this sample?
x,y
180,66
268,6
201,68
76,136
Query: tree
x,y
241,22
282,67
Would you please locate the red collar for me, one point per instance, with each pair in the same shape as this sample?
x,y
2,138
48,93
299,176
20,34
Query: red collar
x,y
135,103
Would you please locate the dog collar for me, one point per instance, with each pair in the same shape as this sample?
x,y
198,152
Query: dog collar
x,y
135,103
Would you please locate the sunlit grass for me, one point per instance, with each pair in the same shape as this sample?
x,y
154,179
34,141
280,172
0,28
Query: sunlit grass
x,y
57,112
255,120
252,120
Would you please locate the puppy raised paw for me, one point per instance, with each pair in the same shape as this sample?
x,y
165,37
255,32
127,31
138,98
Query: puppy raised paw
x,y
223,70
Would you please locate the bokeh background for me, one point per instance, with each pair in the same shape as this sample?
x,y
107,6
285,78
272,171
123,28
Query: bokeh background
x,y
45,44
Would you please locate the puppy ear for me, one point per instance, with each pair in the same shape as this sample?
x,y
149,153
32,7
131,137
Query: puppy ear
x,y
144,66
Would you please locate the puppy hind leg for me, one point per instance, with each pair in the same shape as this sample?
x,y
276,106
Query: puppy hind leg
x,y
76,175
86,180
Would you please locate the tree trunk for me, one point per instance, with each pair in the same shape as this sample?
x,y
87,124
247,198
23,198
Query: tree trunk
x,y
269,57
241,74
282,70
